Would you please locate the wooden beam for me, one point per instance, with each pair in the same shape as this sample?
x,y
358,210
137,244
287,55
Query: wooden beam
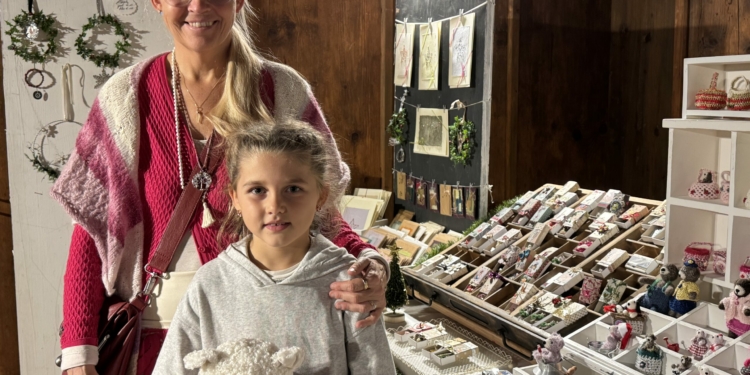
x,y
388,15
681,11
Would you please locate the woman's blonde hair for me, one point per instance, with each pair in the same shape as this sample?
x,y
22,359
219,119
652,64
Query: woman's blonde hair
x,y
293,138
241,102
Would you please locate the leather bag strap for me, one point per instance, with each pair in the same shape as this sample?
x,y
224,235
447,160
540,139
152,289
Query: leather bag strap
x,y
183,214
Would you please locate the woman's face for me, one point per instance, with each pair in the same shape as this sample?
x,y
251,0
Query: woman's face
x,y
199,25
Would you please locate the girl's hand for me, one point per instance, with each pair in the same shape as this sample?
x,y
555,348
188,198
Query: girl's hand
x,y
355,297
81,370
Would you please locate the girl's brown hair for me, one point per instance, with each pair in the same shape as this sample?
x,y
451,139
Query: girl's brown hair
x,y
294,138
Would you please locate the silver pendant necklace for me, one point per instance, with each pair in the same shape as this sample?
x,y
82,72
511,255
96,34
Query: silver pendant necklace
x,y
201,180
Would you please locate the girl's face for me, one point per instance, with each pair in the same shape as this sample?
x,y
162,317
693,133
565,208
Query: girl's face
x,y
277,195
199,25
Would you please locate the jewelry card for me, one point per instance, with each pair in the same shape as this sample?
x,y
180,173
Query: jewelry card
x,y
410,189
446,200
431,137
403,54
458,202
434,198
429,56
471,202
419,187
401,185
461,50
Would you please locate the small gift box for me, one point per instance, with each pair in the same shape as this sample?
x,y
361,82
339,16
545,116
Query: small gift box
x,y
479,277
489,239
453,354
542,215
406,334
453,273
711,98
476,234
720,261
745,269
739,95
619,204
604,218
522,201
558,202
427,352
589,290
700,253
562,282
574,223
523,293
546,193
430,264
528,210
706,188
614,258
503,217
613,291
631,216
641,264
591,200
569,187
537,236
603,205
597,238
427,338
540,264
556,224
493,283
569,313
505,240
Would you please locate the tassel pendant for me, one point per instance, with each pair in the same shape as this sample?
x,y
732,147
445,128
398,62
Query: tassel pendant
x,y
208,218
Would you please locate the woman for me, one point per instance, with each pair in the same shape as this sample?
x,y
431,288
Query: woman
x,y
133,157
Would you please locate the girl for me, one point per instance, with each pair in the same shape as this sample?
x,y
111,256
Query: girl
x,y
273,284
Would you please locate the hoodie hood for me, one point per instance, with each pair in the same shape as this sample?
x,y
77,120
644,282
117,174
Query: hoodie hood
x,y
322,259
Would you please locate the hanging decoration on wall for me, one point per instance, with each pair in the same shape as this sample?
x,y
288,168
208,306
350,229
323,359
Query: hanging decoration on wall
x,y
446,200
401,185
24,31
461,50
404,54
470,195
434,200
429,55
101,58
397,127
458,202
39,161
126,7
461,137
431,137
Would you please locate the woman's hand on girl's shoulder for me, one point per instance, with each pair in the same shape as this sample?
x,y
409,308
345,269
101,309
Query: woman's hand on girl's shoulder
x,y
81,370
356,295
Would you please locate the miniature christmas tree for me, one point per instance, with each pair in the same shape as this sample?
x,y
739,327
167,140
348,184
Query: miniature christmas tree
x,y
395,292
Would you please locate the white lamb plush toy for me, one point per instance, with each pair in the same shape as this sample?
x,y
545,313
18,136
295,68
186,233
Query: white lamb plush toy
x,y
246,356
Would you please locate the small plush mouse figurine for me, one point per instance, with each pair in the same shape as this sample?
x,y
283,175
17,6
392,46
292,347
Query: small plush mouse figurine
x,y
686,295
660,289
698,345
718,343
684,365
737,308
704,371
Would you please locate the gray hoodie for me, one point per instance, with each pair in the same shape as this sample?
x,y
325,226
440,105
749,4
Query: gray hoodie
x,y
230,298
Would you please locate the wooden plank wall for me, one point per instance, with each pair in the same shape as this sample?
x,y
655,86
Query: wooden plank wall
x,y
344,49
9,359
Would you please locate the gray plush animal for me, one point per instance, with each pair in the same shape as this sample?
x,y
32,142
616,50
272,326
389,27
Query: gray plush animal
x,y
660,289
684,365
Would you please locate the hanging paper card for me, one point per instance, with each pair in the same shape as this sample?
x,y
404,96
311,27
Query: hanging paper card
x,y
446,200
401,185
458,202
434,198
461,50
432,132
470,194
429,56
419,186
403,54
410,189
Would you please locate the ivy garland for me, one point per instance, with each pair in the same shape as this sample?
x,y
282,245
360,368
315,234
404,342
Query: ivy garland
x,y
26,26
397,127
462,140
100,58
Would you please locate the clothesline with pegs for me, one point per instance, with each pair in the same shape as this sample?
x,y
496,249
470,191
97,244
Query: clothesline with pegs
x,y
447,18
457,184
450,109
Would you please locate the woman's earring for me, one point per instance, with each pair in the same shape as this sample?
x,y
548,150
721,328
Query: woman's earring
x,y
239,214
160,12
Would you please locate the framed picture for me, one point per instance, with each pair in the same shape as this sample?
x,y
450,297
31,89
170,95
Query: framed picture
x,y
458,202
461,50
431,137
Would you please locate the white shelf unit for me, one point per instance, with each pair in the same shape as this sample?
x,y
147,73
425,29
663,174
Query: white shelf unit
x,y
717,145
698,72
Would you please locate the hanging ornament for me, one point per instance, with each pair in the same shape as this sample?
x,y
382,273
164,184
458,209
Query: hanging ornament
x,y
29,77
100,58
38,160
461,135
398,124
24,31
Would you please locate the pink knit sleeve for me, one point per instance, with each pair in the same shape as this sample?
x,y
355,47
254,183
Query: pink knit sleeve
x,y
350,240
83,292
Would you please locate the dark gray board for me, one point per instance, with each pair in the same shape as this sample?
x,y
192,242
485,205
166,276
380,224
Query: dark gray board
x,y
430,167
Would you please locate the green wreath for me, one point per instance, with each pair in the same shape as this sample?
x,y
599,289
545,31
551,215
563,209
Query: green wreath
x,y
100,58
397,127
461,141
31,23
